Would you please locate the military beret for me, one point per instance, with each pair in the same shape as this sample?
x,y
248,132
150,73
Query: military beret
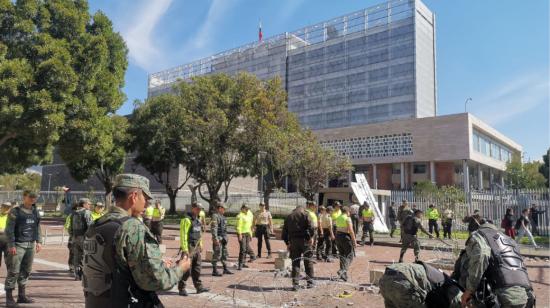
x,y
130,180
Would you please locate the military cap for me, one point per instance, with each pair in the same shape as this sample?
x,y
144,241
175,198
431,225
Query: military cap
x,y
337,203
6,204
130,180
221,204
30,193
99,204
195,204
262,204
244,206
330,208
322,207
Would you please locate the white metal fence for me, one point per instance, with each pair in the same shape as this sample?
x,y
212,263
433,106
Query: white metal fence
x,y
491,204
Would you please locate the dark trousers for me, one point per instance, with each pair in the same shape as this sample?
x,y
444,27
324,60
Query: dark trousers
x,y
345,247
324,244
535,227
156,229
262,232
194,271
333,244
3,249
300,249
393,226
355,222
244,247
71,254
447,227
367,227
433,226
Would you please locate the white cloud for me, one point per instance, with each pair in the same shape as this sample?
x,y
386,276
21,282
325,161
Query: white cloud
x,y
513,98
138,32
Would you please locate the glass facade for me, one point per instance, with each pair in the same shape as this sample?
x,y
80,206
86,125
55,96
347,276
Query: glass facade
x,y
356,69
489,147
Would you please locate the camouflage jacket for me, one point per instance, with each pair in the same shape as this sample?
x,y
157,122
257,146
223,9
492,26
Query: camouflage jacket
x,y
475,261
137,250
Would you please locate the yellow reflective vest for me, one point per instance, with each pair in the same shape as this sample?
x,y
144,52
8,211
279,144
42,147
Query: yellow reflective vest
x,y
342,223
95,215
367,214
3,222
335,215
149,212
244,223
313,217
433,214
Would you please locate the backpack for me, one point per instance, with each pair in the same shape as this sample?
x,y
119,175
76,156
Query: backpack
x,y
408,225
79,223
518,223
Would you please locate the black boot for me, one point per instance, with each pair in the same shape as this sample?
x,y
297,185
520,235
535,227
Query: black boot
x,y
10,302
226,271
22,298
202,289
215,273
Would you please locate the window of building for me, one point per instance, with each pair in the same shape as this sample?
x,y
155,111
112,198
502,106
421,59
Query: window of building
x,y
419,168
396,169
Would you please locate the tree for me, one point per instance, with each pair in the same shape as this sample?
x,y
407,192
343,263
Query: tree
x,y
96,148
520,175
544,169
161,140
217,107
314,165
270,131
11,182
57,65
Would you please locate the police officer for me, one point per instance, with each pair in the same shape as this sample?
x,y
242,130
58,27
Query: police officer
x,y
491,265
447,223
263,227
392,217
81,219
337,211
157,224
98,211
324,246
298,230
218,228
318,233
202,217
432,288
354,210
367,218
345,239
244,233
4,210
433,216
410,228
133,271
24,237
191,245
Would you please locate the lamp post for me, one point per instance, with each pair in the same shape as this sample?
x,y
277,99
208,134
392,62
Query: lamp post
x,y
261,157
469,99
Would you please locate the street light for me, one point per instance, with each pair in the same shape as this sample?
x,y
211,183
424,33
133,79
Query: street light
x,y
469,99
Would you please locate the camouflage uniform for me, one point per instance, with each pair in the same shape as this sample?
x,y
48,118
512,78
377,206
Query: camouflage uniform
x,y
407,285
475,262
81,219
218,227
139,270
411,239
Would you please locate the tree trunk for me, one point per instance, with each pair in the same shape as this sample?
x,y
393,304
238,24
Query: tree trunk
x,y
108,185
172,197
266,196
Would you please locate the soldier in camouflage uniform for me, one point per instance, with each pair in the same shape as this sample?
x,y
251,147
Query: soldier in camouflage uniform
x,y
81,219
24,237
409,229
218,227
402,212
418,286
493,258
135,270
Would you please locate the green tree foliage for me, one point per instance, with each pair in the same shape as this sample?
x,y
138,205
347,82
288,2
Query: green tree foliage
x,y
218,106
271,131
97,149
313,165
544,168
520,175
160,139
59,67
11,182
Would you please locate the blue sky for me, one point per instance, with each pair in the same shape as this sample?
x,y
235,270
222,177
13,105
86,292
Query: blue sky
x,y
494,51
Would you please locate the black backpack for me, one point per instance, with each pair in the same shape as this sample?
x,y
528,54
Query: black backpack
x,y
408,225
